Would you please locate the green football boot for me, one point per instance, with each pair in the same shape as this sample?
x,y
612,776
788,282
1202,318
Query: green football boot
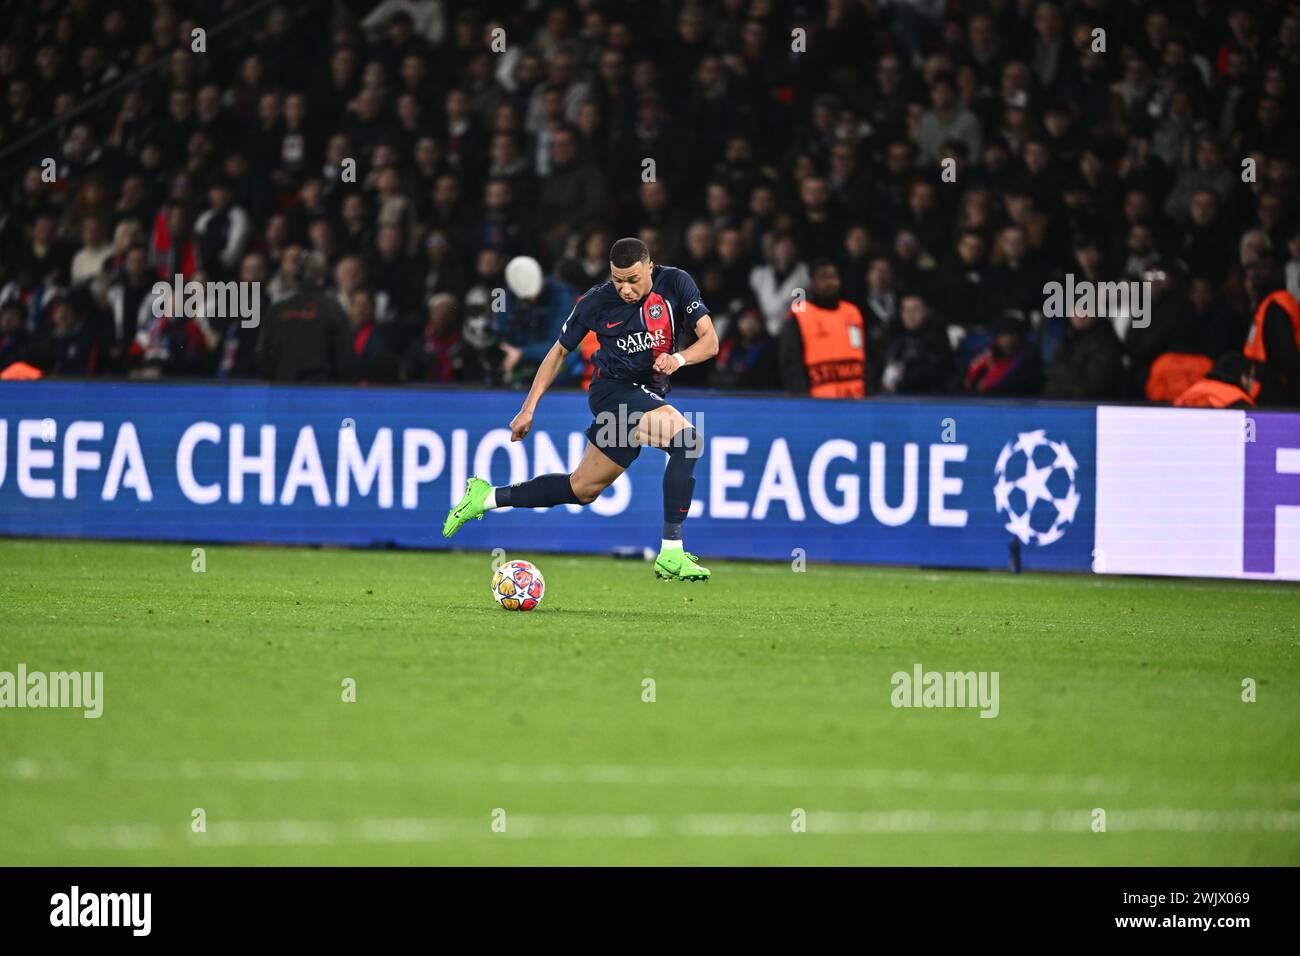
x,y
470,507
676,564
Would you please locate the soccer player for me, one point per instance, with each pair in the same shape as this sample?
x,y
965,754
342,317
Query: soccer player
x,y
637,315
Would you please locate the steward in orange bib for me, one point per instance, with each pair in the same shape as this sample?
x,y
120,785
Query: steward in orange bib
x,y
1273,342
824,342
1228,385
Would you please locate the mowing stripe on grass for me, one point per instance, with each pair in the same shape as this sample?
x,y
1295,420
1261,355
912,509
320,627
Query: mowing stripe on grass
x,y
254,833
281,771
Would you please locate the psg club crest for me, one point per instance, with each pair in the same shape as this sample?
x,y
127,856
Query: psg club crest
x,y
655,311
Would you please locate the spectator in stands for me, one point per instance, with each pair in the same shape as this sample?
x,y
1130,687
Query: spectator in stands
x,y
15,340
349,279
224,229
572,192
504,224
69,347
946,120
589,265
96,249
733,268
747,355
441,355
237,355
1090,362
656,211
536,306
774,283
305,338
918,358
1165,327
698,256
128,300
479,332
1208,325
128,235
1206,245
369,342
173,248
460,149
389,275
963,288
1015,283
1010,366
817,227
1210,173
167,341
47,255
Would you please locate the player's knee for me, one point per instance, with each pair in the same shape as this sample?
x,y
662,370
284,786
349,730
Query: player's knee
x,y
662,428
585,491
688,438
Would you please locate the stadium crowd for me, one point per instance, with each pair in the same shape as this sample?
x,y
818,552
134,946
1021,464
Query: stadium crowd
x,y
932,164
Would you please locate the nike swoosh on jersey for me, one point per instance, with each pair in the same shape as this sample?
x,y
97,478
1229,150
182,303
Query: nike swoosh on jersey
x,y
612,325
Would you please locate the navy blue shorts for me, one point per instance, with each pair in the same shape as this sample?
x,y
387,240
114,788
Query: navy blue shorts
x,y
617,407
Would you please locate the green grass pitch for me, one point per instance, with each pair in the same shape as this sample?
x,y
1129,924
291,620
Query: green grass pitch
x,y
223,692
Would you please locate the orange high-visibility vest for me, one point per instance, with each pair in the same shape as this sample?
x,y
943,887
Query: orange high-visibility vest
x,y
1174,373
1211,393
1254,349
834,350
20,372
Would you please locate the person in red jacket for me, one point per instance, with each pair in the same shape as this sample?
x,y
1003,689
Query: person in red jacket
x,y
1009,366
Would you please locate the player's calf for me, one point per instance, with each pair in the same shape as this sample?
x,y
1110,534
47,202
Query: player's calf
x,y
543,491
683,448
594,474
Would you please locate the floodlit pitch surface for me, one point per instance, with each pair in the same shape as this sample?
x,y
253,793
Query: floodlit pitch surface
x,y
223,692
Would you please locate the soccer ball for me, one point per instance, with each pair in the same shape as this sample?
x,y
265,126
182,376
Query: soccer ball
x,y
518,586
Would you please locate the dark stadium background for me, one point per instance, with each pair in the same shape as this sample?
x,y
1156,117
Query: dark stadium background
x,y
781,134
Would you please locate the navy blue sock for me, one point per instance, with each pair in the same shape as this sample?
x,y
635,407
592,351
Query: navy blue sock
x,y
679,481
540,492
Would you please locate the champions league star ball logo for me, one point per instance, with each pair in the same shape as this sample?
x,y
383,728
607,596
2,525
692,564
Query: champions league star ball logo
x,y
1036,487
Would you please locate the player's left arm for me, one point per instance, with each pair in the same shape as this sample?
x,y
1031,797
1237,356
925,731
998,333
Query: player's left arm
x,y
705,345
702,349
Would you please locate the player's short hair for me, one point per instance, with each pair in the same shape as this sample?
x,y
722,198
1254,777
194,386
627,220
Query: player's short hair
x,y
626,253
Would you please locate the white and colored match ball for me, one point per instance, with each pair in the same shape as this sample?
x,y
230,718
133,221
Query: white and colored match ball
x,y
518,586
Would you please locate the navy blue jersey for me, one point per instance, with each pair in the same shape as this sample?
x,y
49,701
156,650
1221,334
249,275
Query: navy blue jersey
x,y
633,334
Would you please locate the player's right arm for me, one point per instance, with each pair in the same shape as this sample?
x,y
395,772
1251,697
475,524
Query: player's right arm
x,y
571,335
545,377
